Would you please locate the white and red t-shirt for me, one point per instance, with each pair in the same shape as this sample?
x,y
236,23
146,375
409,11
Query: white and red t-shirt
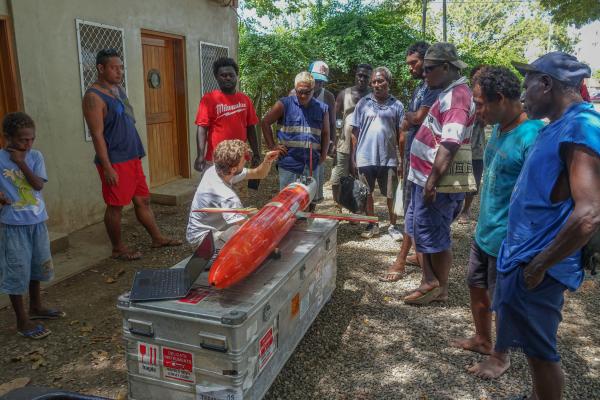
x,y
450,119
227,116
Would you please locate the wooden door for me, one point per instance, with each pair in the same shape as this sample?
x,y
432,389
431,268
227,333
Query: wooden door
x,y
167,133
10,95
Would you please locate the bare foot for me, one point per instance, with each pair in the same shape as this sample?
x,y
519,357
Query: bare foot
x,y
474,343
165,242
126,254
394,273
491,367
412,260
464,218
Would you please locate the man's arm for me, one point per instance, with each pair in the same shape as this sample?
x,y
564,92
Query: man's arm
x,y
353,168
583,169
263,169
274,114
201,137
93,112
443,158
417,117
324,138
330,101
253,141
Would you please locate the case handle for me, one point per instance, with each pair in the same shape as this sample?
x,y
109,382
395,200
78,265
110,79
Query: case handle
x,y
210,341
140,327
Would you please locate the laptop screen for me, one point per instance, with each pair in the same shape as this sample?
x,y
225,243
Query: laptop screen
x,y
200,259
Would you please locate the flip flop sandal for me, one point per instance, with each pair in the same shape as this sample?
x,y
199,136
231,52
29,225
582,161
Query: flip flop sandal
x,y
50,314
37,333
426,298
391,277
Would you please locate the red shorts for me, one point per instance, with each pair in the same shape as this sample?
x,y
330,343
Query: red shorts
x,y
131,183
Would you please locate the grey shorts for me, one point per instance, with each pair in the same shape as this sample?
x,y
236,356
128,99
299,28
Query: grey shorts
x,y
386,179
341,169
482,270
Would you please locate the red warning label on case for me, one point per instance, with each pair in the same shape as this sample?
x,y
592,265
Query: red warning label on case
x,y
266,348
195,296
148,359
178,365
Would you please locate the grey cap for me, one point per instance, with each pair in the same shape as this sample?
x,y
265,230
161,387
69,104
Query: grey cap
x,y
442,51
561,66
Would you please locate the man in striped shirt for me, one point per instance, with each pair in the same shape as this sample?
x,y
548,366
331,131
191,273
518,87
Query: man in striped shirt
x,y
448,124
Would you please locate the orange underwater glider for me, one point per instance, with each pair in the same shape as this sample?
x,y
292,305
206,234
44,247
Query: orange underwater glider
x,y
258,237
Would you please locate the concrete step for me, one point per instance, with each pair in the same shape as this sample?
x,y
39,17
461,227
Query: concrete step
x,y
58,242
174,193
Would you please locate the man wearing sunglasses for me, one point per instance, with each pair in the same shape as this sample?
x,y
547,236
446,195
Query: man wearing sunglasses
x,y
303,132
447,126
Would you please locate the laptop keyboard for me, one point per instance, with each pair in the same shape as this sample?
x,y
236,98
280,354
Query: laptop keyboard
x,y
166,283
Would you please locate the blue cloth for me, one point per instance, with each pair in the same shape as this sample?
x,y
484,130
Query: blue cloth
x,y
528,319
286,177
28,206
300,127
429,224
378,124
533,220
503,159
422,97
24,256
123,142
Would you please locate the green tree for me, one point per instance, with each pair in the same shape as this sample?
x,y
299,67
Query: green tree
x,y
576,12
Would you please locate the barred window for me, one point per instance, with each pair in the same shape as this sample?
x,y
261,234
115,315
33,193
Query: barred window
x,y
209,53
91,38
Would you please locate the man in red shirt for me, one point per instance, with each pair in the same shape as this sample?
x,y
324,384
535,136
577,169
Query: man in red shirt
x,y
224,114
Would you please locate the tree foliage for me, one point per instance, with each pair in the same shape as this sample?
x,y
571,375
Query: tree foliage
x,y
576,12
353,32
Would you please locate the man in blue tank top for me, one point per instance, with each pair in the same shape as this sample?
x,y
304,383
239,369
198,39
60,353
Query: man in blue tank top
x,y
119,150
302,125
554,210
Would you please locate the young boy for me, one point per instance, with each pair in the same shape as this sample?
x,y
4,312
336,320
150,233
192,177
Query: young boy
x,y
25,258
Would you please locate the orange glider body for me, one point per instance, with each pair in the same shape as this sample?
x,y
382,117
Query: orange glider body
x,y
259,236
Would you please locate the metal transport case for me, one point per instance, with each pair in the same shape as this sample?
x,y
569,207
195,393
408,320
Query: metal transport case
x,y
230,344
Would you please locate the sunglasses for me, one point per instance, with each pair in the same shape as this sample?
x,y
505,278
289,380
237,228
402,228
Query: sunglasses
x,y
304,92
429,68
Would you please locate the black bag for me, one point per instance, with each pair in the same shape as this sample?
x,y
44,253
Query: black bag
x,y
353,194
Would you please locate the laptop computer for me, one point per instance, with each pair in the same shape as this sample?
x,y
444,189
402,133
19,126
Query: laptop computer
x,y
173,283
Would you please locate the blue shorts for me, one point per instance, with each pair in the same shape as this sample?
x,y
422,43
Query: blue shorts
x,y
286,177
24,257
528,319
429,224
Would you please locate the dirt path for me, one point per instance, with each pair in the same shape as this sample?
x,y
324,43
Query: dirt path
x,y
365,344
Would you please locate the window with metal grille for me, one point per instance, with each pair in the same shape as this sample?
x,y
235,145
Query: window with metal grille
x,y
209,53
91,38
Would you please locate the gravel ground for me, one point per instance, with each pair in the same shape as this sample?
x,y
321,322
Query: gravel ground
x,y
365,344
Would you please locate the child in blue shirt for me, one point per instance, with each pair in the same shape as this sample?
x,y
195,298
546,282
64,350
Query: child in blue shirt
x,y
25,258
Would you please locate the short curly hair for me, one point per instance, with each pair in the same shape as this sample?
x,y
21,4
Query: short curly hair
x,y
419,48
12,122
228,154
225,62
494,81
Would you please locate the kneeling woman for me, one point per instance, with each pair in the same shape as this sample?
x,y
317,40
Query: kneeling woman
x,y
216,191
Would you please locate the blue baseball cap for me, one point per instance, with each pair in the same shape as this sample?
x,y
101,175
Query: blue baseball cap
x,y
319,70
561,66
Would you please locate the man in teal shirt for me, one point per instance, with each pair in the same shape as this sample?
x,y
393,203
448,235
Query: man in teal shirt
x,y
496,93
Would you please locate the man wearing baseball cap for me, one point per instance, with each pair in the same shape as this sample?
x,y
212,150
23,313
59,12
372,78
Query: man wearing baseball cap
x,y
554,211
446,128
